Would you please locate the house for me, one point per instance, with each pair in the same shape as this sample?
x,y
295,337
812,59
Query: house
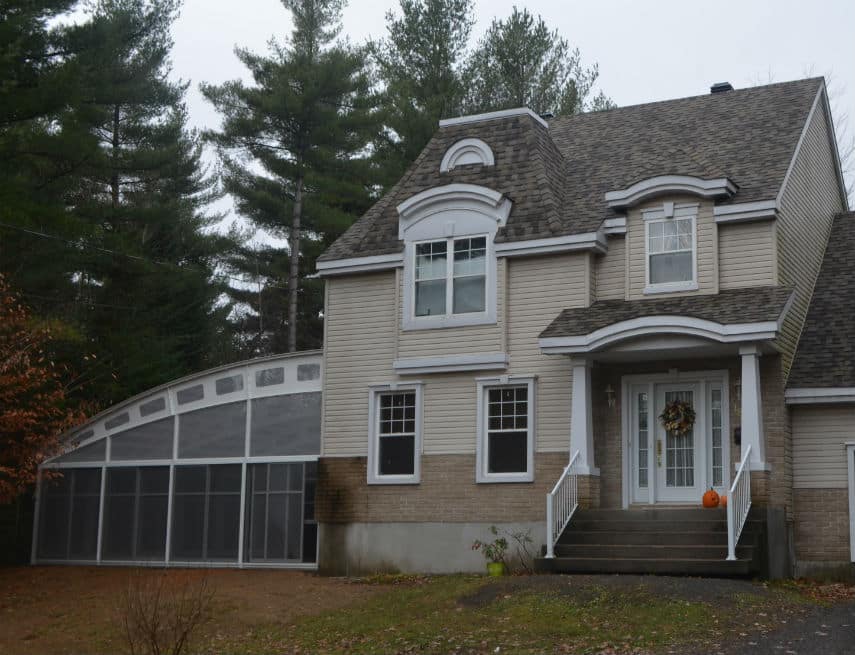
x,y
536,292
504,331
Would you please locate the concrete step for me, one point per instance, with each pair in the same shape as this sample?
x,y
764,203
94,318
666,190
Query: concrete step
x,y
636,537
698,567
651,551
668,515
633,525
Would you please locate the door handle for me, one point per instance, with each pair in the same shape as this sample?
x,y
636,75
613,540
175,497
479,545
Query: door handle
x,y
659,452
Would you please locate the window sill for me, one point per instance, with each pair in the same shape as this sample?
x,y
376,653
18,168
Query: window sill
x,y
394,479
670,288
448,321
504,478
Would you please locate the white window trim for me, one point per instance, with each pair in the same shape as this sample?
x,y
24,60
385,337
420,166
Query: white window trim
x,y
373,433
483,384
450,319
850,466
670,211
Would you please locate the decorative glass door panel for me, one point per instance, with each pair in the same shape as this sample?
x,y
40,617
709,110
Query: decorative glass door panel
x,y
680,461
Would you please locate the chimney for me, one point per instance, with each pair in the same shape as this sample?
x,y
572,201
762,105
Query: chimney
x,y
721,87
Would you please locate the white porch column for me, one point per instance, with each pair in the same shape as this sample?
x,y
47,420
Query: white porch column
x,y
581,420
752,408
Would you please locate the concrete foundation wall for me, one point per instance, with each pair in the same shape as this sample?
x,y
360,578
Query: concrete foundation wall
x,y
366,548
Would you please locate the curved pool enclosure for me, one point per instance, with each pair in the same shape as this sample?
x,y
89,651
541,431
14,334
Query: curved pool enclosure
x,y
215,469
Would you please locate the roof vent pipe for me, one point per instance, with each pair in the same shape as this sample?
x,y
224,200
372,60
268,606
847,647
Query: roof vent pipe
x,y
721,87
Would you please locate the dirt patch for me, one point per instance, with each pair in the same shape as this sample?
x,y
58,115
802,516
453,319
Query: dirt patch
x,y
585,587
65,609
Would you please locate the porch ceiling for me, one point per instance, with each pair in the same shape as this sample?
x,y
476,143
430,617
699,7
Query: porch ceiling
x,y
729,317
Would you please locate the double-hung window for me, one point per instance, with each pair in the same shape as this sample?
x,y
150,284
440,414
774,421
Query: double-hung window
x,y
670,244
395,435
506,431
450,277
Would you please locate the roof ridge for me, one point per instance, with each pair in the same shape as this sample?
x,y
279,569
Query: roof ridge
x,y
730,94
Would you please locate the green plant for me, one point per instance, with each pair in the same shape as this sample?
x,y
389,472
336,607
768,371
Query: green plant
x,y
494,551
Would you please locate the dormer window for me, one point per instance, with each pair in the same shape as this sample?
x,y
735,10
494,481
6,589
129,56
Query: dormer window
x,y
442,290
450,265
671,254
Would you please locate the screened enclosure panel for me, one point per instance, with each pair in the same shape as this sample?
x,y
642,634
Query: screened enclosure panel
x,y
150,441
68,515
206,513
93,452
217,431
286,425
280,507
135,510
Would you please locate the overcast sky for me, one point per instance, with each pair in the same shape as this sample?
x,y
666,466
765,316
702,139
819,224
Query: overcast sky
x,y
646,51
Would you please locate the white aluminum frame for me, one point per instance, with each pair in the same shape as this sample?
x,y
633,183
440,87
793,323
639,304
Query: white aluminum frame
x,y
671,212
850,460
703,381
374,392
483,386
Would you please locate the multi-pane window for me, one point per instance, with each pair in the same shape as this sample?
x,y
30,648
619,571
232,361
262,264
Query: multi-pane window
x,y
396,433
643,440
276,512
717,443
442,290
670,251
507,436
135,509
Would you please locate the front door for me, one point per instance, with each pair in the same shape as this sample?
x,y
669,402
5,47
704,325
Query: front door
x,y
665,467
679,457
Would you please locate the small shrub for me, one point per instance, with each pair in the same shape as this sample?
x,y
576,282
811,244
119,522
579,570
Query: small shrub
x,y
161,610
493,551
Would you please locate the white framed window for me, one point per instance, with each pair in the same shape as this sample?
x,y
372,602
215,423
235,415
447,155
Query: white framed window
x,y
670,244
506,411
395,434
442,290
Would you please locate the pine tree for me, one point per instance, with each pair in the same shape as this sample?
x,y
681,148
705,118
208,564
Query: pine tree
x,y
294,151
420,65
520,62
147,275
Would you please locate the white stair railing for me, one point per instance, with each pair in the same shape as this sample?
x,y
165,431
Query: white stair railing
x,y
561,503
738,504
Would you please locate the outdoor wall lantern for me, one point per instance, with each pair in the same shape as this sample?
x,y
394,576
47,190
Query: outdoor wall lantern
x,y
610,395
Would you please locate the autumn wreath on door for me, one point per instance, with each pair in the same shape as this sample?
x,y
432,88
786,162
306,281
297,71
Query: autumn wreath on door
x,y
678,417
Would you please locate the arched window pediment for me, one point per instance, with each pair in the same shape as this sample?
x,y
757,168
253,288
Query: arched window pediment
x,y
465,152
669,184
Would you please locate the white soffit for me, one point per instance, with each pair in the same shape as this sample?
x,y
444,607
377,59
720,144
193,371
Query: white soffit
x,y
743,212
669,184
359,264
817,395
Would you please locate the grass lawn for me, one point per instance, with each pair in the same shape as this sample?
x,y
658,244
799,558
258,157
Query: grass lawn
x,y
76,610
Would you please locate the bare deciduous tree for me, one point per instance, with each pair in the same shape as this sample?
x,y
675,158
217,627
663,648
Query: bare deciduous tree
x,y
161,610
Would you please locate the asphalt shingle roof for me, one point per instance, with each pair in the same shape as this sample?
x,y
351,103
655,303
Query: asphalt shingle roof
x,y
557,177
750,305
826,352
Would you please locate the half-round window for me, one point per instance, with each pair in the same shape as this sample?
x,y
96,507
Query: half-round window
x,y
465,152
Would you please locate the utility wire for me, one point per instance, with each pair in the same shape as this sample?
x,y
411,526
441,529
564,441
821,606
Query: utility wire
x,y
107,251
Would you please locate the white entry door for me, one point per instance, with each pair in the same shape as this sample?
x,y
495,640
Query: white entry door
x,y
680,461
670,468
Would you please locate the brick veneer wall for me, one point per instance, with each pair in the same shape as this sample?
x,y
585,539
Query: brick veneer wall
x,y
821,525
447,492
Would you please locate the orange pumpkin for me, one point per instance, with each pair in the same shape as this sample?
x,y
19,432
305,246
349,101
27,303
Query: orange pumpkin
x,y
711,498
723,501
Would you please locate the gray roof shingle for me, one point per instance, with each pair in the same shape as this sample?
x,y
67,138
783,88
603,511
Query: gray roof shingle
x,y
750,305
826,352
557,177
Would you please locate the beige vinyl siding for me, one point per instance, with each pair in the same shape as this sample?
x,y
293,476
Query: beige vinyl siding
x,y
706,244
360,331
807,206
747,255
455,340
540,288
819,457
611,271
